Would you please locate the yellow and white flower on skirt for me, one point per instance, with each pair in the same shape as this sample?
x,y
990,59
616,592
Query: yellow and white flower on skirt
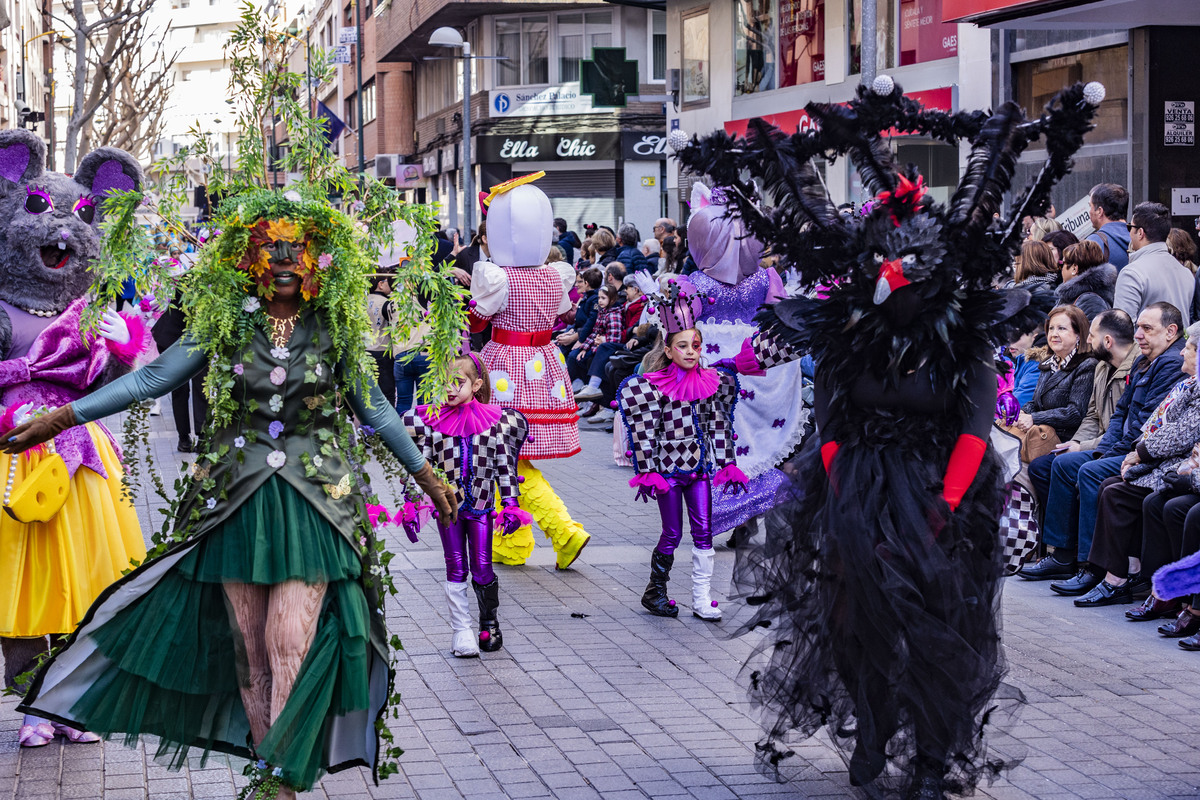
x,y
535,368
559,392
503,388
562,360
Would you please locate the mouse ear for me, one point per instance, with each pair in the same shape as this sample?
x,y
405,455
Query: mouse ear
x,y
22,155
108,169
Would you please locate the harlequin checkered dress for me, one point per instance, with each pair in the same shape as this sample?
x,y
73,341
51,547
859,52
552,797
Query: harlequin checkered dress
x,y
533,378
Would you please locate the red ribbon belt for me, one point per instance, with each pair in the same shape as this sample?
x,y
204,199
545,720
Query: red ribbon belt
x,y
521,338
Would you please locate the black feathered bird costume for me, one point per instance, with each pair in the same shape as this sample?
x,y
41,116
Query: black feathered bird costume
x,y
878,584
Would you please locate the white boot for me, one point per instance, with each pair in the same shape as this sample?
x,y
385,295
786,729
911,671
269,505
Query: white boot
x,y
703,606
464,644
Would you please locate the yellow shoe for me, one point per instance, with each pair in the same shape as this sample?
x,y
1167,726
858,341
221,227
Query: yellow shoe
x,y
566,555
514,549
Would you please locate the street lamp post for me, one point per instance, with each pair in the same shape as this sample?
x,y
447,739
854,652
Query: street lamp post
x,y
448,37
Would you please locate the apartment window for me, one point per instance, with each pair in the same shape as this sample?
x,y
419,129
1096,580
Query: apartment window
x,y
696,58
523,44
577,35
368,95
658,45
1036,82
754,46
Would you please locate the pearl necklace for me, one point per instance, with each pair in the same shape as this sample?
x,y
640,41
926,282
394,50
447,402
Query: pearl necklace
x,y
39,313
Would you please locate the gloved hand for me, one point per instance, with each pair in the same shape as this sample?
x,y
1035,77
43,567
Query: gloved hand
x,y
731,479
37,430
1178,484
439,492
513,518
114,328
724,363
648,485
410,520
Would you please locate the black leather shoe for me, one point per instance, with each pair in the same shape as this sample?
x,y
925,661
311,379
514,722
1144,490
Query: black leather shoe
x,y
1083,582
1139,585
185,446
1153,608
1105,594
1190,642
1186,624
1047,569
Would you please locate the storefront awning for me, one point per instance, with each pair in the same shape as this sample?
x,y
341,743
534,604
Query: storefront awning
x,y
654,5
1072,14
799,120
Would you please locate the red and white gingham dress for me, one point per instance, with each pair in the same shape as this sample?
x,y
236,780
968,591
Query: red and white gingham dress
x,y
533,380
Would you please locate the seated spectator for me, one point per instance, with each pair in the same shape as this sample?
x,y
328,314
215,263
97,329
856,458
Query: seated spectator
x,y
628,251
652,250
1040,227
632,309
1166,442
620,366
604,247
1064,387
635,304
1025,368
1088,281
1181,245
663,227
587,283
1153,274
1035,268
1072,493
1107,207
1170,531
614,276
566,240
1059,241
610,323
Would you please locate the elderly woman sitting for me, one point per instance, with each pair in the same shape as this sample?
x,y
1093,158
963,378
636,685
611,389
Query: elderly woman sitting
x,y
1166,443
1064,387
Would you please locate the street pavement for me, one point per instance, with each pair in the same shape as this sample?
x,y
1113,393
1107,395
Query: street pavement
x,y
593,698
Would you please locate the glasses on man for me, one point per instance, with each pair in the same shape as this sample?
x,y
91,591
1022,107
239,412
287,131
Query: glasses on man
x,y
1132,227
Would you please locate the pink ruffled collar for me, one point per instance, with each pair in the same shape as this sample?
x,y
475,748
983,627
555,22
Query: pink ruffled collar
x,y
468,419
686,385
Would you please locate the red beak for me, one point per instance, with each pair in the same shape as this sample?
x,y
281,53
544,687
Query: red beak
x,y
891,278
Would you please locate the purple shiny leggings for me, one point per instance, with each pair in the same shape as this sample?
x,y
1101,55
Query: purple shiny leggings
x,y
470,536
696,491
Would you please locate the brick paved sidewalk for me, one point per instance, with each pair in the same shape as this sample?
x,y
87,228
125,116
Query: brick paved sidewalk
x,y
593,698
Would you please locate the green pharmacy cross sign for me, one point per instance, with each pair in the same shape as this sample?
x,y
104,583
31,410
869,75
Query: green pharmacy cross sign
x,y
608,77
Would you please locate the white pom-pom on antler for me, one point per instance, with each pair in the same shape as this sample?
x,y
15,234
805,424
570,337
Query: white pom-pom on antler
x,y
883,85
1094,92
677,139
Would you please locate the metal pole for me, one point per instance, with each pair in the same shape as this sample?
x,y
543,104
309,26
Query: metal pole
x,y
358,47
308,68
467,178
867,27
22,95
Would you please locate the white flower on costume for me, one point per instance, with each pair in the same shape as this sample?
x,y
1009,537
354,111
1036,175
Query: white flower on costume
x,y
559,391
278,376
239,442
317,461
276,402
318,370
277,459
561,358
535,368
250,305
211,503
280,353
502,386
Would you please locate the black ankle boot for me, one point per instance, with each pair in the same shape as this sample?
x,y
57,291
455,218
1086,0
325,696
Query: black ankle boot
x,y
926,787
655,599
490,637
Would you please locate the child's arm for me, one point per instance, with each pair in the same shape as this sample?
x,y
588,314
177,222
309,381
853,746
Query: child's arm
x,y
640,403
721,436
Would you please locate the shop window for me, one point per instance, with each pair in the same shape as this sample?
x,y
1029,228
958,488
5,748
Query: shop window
x,y
923,35
696,58
521,43
658,45
885,35
577,35
1035,82
801,41
754,46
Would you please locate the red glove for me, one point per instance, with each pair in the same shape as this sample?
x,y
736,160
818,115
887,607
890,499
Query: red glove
x,y
960,471
828,451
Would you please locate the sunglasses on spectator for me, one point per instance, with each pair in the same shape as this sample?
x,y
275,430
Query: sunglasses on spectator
x,y
1132,227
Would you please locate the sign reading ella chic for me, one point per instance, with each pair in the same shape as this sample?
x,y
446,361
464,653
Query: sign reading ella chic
x,y
550,147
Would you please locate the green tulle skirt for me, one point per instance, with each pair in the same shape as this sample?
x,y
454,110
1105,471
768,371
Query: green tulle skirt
x,y
175,664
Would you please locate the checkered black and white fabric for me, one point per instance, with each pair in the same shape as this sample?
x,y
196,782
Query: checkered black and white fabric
x,y
1019,529
493,457
771,351
533,380
674,437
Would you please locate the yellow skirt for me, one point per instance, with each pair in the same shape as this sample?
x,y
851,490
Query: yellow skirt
x,y
50,572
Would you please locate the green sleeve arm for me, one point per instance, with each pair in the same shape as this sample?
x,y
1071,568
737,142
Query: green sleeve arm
x,y
178,365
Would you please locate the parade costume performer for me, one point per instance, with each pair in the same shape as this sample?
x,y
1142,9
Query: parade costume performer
x,y
55,563
771,414
521,298
259,631
475,445
680,424
878,584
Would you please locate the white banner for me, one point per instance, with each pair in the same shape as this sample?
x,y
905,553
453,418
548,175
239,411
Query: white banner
x,y
562,99
1075,219
1185,202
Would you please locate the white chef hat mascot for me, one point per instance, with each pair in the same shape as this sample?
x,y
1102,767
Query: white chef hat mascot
x,y
522,297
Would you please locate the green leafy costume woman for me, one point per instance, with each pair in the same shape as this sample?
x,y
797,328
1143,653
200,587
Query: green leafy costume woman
x,y
256,626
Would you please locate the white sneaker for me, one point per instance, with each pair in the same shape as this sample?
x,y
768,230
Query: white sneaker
x,y
589,393
703,606
602,416
156,409
464,644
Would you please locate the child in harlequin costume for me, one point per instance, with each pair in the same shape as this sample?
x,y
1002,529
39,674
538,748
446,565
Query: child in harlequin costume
x,y
475,444
52,570
679,419
522,298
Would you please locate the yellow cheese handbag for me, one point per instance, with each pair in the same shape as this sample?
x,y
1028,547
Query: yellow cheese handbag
x,y
43,492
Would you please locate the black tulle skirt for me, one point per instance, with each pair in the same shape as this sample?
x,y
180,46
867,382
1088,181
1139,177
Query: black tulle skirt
x,y
881,615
